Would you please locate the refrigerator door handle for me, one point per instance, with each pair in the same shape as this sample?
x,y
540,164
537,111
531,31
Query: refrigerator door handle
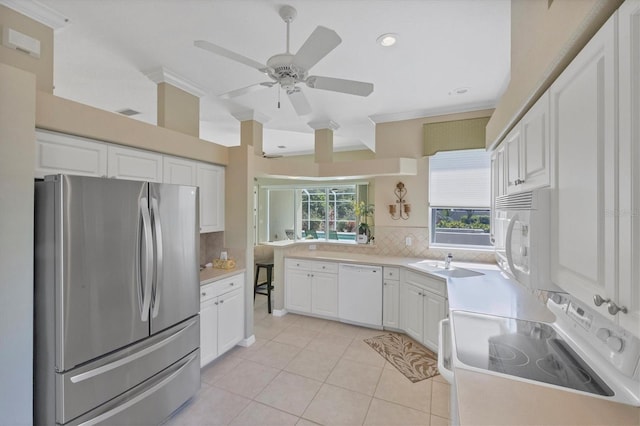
x,y
148,259
130,358
157,282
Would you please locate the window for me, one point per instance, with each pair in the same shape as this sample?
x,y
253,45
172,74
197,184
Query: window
x,y
460,198
309,212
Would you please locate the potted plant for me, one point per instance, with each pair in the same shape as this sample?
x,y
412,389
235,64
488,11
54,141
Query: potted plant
x,y
363,211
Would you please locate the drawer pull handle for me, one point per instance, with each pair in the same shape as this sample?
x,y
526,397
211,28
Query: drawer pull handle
x,y
204,294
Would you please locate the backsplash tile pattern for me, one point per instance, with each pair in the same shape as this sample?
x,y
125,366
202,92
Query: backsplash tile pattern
x,y
390,241
211,244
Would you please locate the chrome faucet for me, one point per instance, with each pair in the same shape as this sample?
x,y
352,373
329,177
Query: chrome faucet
x,y
447,261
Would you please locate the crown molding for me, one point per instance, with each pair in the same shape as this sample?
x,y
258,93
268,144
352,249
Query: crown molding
x,y
164,75
38,12
251,115
422,113
324,124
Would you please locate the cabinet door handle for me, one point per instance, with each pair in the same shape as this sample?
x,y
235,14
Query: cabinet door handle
x,y
232,284
420,294
216,303
221,302
614,309
204,294
599,300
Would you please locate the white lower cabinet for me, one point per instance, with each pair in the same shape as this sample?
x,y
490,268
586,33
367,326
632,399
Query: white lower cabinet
x,y
391,298
423,305
221,317
411,302
311,287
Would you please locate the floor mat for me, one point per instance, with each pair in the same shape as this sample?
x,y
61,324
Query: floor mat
x,y
410,358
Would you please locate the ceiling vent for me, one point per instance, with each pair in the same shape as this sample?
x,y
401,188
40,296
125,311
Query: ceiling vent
x,y
128,112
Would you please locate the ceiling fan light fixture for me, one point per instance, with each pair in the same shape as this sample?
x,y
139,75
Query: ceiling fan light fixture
x,y
387,40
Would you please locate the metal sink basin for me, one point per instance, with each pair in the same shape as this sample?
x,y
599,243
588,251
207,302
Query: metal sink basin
x,y
438,268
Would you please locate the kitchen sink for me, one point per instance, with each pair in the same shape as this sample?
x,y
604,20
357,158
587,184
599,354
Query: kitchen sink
x,y
438,268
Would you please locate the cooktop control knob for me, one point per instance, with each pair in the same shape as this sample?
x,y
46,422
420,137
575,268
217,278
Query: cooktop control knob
x,y
603,334
615,343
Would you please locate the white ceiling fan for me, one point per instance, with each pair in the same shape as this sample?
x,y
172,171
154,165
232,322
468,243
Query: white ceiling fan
x,y
287,69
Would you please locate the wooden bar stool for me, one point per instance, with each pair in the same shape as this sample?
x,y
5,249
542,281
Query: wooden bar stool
x,y
264,287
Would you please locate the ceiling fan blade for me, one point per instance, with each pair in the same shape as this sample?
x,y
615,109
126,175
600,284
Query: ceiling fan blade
x,y
299,102
245,90
351,87
321,41
214,48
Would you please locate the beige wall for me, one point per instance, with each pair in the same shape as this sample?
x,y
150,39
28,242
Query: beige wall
x,y
42,67
17,157
543,42
65,116
406,139
178,110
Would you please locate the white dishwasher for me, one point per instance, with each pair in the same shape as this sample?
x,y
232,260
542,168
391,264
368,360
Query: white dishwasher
x,y
360,294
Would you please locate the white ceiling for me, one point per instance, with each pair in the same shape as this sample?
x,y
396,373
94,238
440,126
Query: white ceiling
x,y
103,52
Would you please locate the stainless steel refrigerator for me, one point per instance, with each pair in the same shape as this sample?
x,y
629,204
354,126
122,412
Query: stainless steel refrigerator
x,y
117,329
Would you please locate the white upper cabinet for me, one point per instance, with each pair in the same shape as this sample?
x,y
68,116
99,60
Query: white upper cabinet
x,y
583,132
535,157
134,164
629,164
210,180
512,145
60,153
57,153
527,150
179,171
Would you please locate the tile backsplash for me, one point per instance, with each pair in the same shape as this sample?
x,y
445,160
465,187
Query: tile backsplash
x,y
211,244
391,241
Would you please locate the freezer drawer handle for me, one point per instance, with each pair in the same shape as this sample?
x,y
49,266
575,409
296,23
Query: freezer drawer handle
x,y
157,283
143,395
112,365
148,239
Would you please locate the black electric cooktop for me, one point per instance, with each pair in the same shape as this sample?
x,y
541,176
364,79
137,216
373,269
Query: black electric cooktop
x,y
534,351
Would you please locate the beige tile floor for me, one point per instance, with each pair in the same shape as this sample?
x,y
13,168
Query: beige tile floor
x,y
308,371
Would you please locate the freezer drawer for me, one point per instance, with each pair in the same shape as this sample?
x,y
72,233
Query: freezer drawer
x,y
91,385
150,402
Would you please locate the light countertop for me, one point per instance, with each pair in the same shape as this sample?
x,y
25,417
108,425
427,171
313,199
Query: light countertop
x,y
485,399
208,275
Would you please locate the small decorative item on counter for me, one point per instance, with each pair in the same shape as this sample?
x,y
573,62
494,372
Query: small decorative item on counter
x,y
363,211
224,263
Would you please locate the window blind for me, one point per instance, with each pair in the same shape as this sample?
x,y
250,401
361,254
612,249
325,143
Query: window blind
x,y
460,179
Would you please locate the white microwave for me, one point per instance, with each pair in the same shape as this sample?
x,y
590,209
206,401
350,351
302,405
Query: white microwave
x,y
522,237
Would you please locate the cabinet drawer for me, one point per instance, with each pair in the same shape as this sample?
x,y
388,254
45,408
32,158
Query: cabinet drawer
x,y
391,273
207,292
299,264
223,286
330,267
432,284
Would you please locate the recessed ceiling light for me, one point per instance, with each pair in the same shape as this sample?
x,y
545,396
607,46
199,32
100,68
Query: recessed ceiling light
x,y
459,91
387,40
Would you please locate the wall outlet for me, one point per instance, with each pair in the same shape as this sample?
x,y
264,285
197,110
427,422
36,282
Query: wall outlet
x,y
408,241
312,246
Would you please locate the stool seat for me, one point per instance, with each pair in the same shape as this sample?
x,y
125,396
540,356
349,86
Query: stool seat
x,y
266,286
